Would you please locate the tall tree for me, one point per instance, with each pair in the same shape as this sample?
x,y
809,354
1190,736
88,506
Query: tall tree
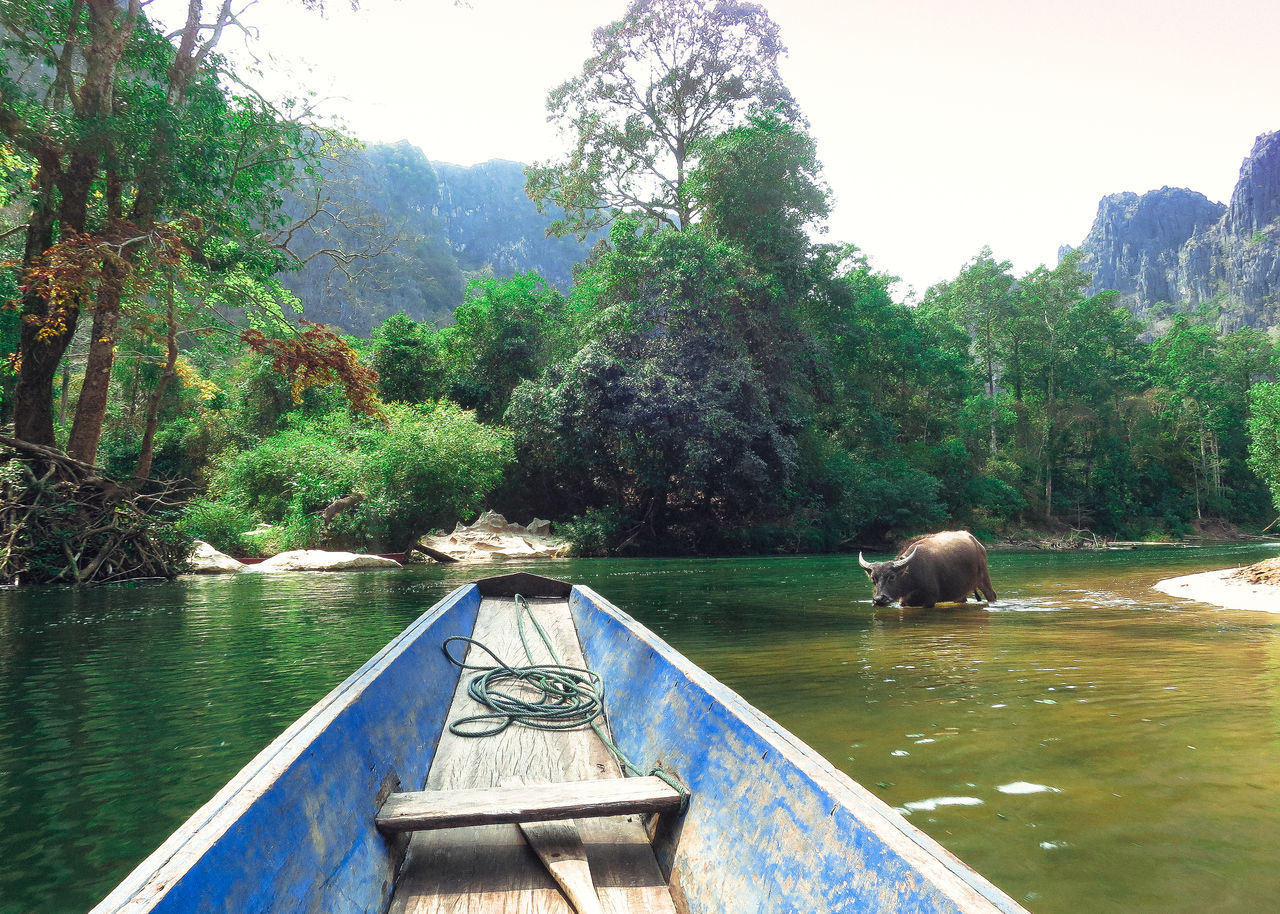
x,y
499,338
1264,436
135,143
663,413
665,75
980,300
1044,300
760,184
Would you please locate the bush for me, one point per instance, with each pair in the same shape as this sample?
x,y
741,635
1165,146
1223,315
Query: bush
x,y
426,467
430,466
597,531
290,474
222,524
993,498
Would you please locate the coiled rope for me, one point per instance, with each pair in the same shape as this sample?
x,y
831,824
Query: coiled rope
x,y
545,696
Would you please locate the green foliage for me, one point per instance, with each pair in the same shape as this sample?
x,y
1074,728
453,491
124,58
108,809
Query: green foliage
x,y
597,531
427,467
760,185
408,360
290,474
433,465
500,337
1264,436
664,76
664,413
223,524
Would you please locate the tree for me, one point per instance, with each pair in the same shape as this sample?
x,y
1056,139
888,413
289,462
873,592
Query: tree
x,y
1044,298
1203,382
979,299
885,382
141,158
663,412
667,74
1264,436
500,337
406,355
760,185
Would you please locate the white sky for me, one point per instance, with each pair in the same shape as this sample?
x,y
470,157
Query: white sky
x,y
943,125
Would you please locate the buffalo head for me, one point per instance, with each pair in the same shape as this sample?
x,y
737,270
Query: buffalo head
x,y
888,579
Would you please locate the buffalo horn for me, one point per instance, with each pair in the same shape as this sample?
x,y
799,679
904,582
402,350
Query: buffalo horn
x,y
898,563
863,562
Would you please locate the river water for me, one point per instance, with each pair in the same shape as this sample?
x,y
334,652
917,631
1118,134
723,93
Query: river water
x,y
1087,743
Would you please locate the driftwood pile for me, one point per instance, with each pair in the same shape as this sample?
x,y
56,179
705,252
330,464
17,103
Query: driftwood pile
x,y
65,522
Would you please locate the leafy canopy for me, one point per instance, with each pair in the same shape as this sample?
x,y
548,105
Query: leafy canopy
x,y
669,73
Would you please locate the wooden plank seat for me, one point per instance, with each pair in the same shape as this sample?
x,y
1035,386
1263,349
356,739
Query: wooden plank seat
x,y
427,809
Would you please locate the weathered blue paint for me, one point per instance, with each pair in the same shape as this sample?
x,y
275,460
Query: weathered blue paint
x,y
772,826
294,830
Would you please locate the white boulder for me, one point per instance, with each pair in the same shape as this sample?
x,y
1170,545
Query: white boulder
x,y
319,560
204,559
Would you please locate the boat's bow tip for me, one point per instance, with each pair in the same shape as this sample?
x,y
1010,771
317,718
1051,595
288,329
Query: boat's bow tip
x,y
524,583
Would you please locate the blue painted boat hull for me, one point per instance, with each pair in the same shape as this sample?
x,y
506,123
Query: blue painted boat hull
x,y
771,826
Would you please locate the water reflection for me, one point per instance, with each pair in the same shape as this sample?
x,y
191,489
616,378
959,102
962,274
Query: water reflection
x,y
1086,742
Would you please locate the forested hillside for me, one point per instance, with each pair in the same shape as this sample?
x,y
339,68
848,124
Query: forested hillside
x,y
713,378
385,231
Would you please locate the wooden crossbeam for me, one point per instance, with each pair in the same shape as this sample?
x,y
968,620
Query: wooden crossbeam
x,y
429,809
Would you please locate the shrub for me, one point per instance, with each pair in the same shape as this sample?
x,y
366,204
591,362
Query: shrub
x,y
597,531
430,466
427,466
222,524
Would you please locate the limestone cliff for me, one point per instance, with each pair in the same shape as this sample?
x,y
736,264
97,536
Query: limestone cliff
x,y
494,227
427,228
1177,247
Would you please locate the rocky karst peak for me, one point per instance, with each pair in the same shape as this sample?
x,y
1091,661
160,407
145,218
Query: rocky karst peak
x,y
1178,247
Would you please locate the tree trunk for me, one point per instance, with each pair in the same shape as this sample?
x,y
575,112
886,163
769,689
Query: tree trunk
x,y
143,469
91,409
33,394
1048,491
991,394
109,29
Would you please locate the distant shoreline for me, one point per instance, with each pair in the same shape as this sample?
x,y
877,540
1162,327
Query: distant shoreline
x,y
1226,588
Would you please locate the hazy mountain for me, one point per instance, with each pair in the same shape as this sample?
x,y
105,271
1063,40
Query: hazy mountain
x,y
417,230
494,227
1176,247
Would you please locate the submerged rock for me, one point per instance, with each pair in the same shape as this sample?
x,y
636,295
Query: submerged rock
x,y
319,560
204,559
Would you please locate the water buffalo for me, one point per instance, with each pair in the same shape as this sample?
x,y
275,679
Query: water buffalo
x,y
938,568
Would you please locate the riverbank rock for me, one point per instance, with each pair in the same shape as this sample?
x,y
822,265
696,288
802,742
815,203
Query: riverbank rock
x,y
1264,572
493,536
319,560
204,559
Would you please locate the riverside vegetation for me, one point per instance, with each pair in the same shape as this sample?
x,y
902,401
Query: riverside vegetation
x,y
718,378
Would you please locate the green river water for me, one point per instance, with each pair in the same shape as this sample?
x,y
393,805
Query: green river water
x,y
1087,743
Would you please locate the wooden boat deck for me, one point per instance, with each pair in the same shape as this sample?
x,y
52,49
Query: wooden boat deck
x,y
492,868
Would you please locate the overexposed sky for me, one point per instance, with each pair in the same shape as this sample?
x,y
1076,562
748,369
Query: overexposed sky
x,y
943,125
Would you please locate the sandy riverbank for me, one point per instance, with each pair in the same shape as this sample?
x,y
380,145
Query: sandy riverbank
x,y
1253,587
